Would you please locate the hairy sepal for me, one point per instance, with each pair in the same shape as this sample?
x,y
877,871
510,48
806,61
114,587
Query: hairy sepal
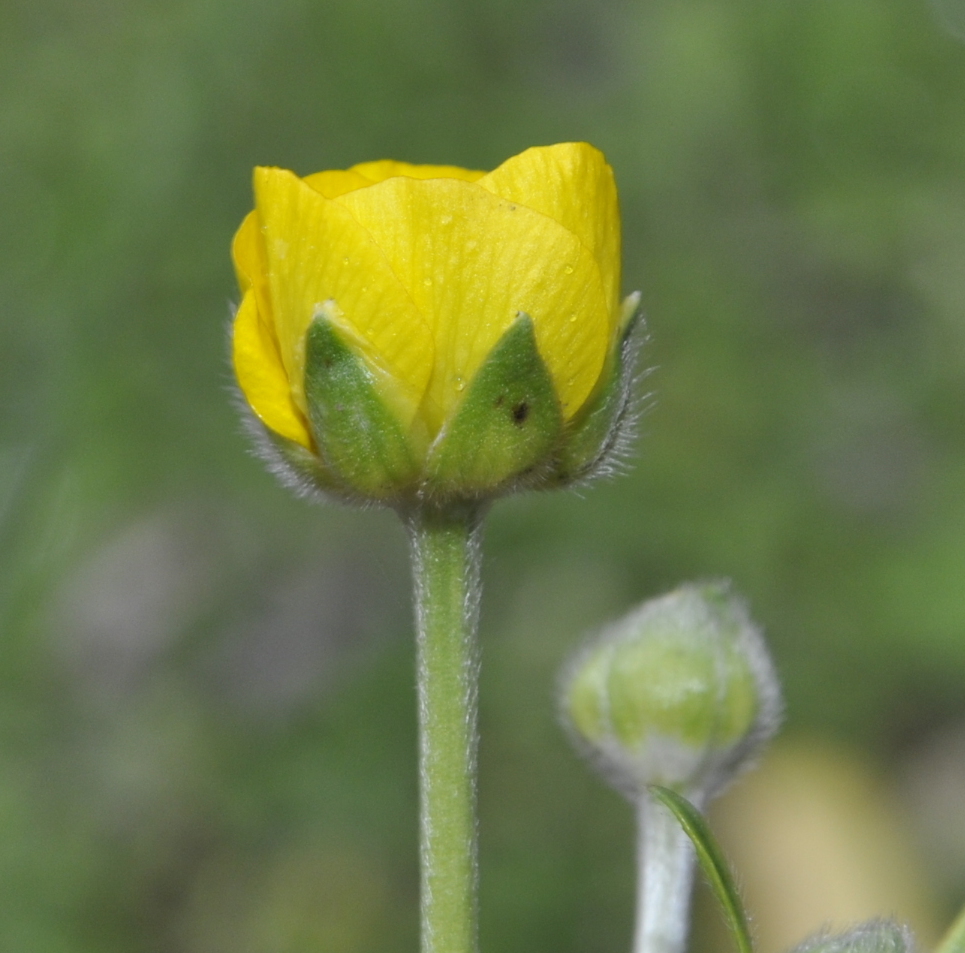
x,y
359,440
504,432
601,432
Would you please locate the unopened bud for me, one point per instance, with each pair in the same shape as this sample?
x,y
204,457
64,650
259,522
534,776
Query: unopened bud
x,y
681,692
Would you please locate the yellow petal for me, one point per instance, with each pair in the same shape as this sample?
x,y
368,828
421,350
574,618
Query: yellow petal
x,y
244,254
248,253
383,169
317,252
261,375
572,184
336,182
472,261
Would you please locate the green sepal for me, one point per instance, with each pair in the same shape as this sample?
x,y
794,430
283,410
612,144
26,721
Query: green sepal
x,y
358,439
712,862
597,429
301,470
507,425
954,940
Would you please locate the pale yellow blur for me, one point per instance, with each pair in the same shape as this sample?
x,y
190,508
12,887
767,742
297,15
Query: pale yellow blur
x,y
818,840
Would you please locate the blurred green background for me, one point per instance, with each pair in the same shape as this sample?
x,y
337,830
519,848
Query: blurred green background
x,y
206,688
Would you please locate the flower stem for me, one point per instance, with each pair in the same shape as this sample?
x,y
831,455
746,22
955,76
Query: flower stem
x,y
665,872
446,557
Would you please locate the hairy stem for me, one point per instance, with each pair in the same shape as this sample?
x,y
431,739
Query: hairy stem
x,y
446,558
665,871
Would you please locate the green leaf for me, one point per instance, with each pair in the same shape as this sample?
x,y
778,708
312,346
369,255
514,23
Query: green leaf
x,y
508,423
954,940
712,862
356,434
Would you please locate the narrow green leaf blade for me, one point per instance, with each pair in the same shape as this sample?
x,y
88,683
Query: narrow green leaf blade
x,y
712,862
954,940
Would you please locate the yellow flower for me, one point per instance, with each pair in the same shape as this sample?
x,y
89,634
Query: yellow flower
x,y
421,271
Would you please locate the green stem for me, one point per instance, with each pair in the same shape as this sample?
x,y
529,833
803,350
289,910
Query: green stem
x,y
446,557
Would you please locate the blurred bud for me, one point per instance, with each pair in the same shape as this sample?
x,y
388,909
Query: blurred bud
x,y
681,692
875,936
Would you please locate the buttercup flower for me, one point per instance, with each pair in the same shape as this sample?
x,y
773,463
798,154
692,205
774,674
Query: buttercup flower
x,y
429,331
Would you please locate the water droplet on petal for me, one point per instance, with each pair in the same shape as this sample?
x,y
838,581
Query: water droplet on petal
x,y
460,384
446,219
573,318
568,269
345,261
427,282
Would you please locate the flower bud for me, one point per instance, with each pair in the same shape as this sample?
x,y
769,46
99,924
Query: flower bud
x,y
681,692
